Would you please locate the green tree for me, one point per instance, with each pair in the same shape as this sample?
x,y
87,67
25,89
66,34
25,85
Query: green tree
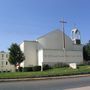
x,y
15,55
86,51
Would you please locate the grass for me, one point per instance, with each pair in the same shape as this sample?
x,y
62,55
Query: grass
x,y
48,73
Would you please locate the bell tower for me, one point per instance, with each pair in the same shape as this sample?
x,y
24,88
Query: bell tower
x,y
76,38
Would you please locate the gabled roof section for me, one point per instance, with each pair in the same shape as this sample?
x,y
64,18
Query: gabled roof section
x,y
56,30
54,40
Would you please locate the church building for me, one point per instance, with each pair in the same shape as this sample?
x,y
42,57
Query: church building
x,y
54,47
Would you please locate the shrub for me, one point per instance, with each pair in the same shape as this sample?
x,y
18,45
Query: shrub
x,y
46,67
87,63
36,68
20,69
27,69
60,65
83,64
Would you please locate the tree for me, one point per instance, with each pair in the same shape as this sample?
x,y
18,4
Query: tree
x,y
15,55
86,51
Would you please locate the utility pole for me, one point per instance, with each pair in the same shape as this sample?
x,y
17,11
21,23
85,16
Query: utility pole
x,y
64,42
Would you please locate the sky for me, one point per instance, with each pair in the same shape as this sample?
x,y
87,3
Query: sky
x,y
29,19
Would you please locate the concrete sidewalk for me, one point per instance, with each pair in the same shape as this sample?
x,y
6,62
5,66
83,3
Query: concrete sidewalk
x,y
44,78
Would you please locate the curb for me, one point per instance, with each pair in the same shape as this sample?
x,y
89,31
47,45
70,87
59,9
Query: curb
x,y
43,78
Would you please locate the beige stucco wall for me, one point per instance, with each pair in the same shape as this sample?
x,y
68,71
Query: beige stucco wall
x,y
30,52
54,56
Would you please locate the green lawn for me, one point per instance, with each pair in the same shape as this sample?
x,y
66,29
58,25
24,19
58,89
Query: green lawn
x,y
51,72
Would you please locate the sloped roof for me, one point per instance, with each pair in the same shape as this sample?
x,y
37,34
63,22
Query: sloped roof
x,y
56,30
54,40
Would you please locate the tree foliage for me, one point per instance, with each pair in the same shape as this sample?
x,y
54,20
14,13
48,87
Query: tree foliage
x,y
15,54
86,51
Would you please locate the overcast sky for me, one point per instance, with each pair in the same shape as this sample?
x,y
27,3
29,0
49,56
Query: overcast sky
x,y
28,19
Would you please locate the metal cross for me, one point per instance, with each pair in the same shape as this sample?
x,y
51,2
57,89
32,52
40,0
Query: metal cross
x,y
63,22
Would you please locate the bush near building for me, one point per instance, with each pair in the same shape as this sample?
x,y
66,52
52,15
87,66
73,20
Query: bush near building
x,y
36,68
60,65
29,69
46,67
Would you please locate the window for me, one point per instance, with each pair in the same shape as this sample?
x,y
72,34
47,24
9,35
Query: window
x,y
2,56
6,63
6,55
2,63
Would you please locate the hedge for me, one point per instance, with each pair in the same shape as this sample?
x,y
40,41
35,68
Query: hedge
x,y
36,68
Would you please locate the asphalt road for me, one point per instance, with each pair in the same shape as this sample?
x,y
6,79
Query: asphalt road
x,y
80,83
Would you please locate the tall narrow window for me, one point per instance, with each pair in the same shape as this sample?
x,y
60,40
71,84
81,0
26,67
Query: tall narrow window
x,y
6,63
2,56
2,63
6,55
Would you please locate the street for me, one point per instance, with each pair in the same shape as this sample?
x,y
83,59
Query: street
x,y
80,83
